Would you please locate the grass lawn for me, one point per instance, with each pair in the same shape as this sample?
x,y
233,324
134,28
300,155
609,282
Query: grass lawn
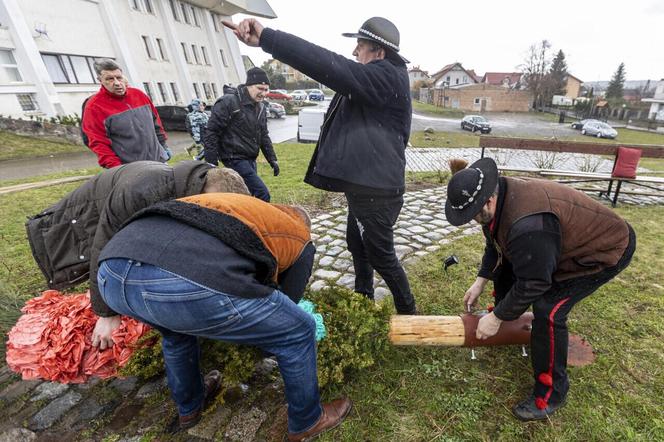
x,y
625,136
438,111
445,139
19,146
439,394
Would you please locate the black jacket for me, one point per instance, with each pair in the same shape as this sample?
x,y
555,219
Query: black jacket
x,y
66,238
237,129
534,245
363,139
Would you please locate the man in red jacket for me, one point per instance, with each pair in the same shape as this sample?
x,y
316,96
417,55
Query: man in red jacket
x,y
121,123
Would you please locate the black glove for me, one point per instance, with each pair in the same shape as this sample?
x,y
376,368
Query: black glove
x,y
275,167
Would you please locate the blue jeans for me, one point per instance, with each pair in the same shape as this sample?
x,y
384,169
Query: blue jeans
x,y
182,310
247,170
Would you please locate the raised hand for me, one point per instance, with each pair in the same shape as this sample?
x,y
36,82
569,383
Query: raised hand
x,y
248,31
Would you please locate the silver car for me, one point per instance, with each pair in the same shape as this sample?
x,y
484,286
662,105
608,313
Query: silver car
x,y
599,130
299,95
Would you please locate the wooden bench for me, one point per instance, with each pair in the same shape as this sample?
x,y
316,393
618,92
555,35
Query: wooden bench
x,y
647,150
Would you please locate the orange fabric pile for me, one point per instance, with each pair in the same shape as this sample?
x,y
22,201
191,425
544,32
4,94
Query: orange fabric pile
x,y
52,340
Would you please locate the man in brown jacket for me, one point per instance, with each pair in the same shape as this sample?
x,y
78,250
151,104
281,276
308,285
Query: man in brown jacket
x,y
233,269
547,245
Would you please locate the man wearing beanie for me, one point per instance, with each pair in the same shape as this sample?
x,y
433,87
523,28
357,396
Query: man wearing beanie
x,y
361,150
237,129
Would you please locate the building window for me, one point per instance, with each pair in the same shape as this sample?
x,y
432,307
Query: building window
x,y
206,89
197,91
9,72
82,69
215,22
186,54
162,92
148,6
477,101
194,51
214,90
448,79
205,55
456,81
223,57
162,49
194,15
174,10
174,90
148,90
148,46
133,4
185,14
56,69
27,102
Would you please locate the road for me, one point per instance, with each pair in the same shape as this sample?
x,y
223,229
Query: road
x,y
281,130
285,129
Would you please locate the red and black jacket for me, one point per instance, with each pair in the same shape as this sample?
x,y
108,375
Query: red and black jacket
x,y
124,129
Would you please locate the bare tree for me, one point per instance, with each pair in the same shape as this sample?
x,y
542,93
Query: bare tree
x,y
535,68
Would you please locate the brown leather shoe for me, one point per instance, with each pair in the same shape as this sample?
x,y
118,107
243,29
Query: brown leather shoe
x,y
212,382
333,414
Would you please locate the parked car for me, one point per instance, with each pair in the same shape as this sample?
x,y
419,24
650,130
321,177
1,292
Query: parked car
x,y
275,110
316,95
475,123
275,95
299,95
173,117
599,130
309,122
578,125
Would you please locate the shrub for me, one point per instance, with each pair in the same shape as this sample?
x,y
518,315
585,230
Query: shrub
x,y
356,338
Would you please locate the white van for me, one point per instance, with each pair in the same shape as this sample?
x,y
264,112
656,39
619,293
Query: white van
x,y
309,122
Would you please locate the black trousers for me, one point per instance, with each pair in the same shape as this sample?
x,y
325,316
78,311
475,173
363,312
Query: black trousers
x,y
549,337
294,279
370,238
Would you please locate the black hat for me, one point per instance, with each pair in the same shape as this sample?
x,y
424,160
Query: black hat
x,y
469,190
256,76
382,31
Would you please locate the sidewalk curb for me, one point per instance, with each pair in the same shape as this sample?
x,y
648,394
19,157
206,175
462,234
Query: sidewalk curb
x,y
37,185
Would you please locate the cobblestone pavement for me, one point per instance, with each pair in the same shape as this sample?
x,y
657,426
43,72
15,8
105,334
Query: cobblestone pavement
x,y
420,229
126,409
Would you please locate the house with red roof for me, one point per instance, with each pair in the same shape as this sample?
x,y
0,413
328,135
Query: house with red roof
x,y
510,80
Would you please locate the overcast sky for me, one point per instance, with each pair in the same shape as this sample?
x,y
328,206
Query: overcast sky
x,y
492,35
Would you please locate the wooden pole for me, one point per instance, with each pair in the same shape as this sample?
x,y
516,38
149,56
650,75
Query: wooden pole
x,y
456,331
427,330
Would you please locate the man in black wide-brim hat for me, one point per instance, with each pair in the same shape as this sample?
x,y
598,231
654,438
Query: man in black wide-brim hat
x,y
361,148
547,245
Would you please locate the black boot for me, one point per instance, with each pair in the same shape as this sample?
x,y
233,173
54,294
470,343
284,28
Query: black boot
x,y
528,410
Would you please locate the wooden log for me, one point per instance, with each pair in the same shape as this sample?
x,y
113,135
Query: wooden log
x,y
456,331
427,330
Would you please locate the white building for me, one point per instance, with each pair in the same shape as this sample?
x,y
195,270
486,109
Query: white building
x,y
656,103
172,49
